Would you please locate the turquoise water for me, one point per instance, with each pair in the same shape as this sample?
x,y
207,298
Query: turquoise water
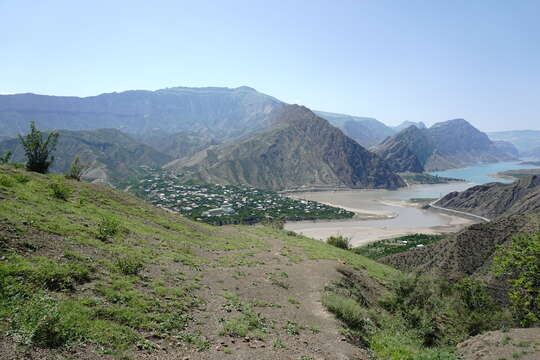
x,y
478,174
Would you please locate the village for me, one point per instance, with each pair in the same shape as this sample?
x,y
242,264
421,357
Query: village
x,y
226,204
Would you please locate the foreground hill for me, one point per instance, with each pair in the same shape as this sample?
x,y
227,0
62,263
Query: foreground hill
x,y
103,274
87,272
112,156
468,252
445,145
220,112
301,150
496,199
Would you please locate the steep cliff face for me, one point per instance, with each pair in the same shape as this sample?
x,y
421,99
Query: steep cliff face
x,y
445,145
496,199
301,150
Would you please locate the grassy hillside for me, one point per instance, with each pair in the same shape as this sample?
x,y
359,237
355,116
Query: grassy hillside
x,y
89,272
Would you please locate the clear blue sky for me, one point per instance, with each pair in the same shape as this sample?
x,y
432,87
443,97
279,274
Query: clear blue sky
x,y
397,60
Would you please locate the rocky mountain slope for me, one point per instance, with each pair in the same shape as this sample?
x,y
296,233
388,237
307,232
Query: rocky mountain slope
x,y
365,131
507,147
219,112
468,252
534,153
113,157
178,145
302,150
407,151
445,145
496,199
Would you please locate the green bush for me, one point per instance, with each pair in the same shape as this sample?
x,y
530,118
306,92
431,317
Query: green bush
x,y
348,311
108,227
339,241
76,169
129,265
21,179
37,150
519,264
6,181
60,190
4,159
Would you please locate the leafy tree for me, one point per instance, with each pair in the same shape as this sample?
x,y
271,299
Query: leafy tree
x,y
519,264
38,151
76,169
5,159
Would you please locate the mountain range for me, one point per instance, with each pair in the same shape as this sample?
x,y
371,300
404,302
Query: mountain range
x,y
523,140
239,136
301,150
450,144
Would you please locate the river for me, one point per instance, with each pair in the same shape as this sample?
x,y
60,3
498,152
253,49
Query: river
x,y
385,213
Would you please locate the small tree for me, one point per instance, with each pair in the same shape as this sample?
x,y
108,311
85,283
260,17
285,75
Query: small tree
x,y
77,169
38,151
5,159
519,264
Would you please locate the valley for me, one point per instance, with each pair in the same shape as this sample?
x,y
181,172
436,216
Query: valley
x,y
232,204
403,216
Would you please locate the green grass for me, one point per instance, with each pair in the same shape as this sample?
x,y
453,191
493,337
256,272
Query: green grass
x,y
319,250
397,245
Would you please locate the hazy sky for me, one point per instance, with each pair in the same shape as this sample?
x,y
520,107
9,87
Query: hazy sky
x,y
397,60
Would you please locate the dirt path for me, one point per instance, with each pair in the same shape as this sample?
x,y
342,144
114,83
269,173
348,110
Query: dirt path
x,y
292,295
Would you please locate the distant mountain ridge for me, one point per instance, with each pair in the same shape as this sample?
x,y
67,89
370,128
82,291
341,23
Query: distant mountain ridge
x,y
219,112
301,150
445,145
113,156
364,130
523,140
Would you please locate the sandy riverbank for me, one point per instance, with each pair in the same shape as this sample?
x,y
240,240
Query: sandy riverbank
x,y
361,231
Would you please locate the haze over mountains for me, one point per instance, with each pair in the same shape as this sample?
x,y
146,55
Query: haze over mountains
x,y
445,145
240,136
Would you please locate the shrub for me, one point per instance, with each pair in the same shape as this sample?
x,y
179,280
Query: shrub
x,y
129,265
21,179
37,321
249,323
339,241
37,150
76,169
45,272
60,190
6,181
108,227
519,264
348,311
4,159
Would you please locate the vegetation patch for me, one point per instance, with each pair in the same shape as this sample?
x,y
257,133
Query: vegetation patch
x,y
379,249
